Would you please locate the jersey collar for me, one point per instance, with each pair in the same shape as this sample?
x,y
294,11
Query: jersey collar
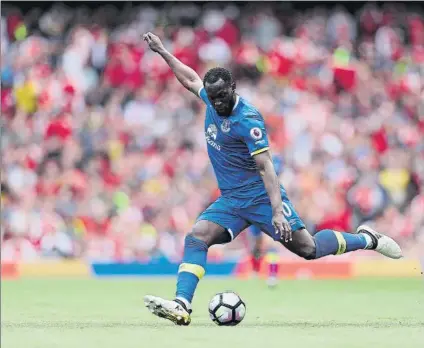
x,y
236,103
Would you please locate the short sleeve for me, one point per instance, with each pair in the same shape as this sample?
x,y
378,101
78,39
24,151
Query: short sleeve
x,y
253,133
202,95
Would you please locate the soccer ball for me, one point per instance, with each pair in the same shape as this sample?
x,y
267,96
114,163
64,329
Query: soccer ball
x,y
227,309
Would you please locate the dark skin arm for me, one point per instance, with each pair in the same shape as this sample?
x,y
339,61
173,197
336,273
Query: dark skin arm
x,y
272,186
184,74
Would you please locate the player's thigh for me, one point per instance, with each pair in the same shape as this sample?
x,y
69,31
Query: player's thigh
x,y
222,213
260,215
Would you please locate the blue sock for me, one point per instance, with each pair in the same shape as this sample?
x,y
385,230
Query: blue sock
x,y
192,269
329,242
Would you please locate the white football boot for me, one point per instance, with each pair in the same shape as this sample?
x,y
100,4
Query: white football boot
x,y
175,310
381,243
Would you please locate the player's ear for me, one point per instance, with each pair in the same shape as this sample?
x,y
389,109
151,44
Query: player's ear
x,y
233,86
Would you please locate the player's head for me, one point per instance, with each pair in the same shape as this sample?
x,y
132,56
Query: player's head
x,y
220,88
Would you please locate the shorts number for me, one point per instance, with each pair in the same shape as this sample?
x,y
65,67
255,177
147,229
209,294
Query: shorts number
x,y
286,209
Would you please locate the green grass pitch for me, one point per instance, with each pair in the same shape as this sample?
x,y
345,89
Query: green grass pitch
x,y
109,313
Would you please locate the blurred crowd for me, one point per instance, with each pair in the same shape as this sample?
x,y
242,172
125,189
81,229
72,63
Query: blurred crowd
x,y
104,155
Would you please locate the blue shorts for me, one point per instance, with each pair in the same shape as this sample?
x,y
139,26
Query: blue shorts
x,y
235,215
255,231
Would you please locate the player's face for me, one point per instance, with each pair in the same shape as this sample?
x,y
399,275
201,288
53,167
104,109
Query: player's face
x,y
222,96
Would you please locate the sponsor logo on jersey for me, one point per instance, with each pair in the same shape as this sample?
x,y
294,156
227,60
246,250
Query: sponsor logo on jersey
x,y
211,134
260,142
256,133
212,131
225,126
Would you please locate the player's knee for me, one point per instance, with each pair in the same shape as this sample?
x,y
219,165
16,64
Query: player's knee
x,y
303,244
202,233
210,233
307,251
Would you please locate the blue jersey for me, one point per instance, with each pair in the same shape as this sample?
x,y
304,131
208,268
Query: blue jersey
x,y
232,142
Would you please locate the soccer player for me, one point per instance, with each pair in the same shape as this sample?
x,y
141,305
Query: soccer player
x,y
238,149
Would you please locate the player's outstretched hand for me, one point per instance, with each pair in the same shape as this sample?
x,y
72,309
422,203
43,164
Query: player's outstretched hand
x,y
282,226
154,42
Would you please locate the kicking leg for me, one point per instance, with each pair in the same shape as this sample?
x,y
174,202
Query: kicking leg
x,y
330,242
325,242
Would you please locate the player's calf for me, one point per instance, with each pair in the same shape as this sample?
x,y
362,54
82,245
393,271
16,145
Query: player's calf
x,y
330,242
192,268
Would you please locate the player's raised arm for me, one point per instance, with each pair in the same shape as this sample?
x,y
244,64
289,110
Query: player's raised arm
x,y
186,75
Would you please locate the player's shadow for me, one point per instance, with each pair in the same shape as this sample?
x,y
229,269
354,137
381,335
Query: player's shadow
x,y
102,324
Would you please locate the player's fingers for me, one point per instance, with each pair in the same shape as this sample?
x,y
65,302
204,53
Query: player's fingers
x,y
148,37
283,234
152,37
289,235
287,232
278,229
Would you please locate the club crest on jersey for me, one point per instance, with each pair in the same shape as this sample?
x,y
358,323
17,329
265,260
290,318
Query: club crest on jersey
x,y
225,126
212,131
256,133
